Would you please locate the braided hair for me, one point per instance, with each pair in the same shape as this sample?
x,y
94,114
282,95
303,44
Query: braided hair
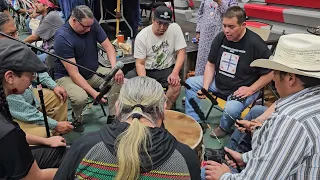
x,y
4,107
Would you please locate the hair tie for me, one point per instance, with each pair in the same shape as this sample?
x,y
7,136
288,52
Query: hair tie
x,y
136,115
139,106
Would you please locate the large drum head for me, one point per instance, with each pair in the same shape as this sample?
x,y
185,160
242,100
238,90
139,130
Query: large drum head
x,y
185,129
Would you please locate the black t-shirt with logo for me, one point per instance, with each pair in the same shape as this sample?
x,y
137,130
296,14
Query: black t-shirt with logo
x,y
232,61
3,6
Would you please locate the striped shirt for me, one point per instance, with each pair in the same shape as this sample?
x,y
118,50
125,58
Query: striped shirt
x,y
287,146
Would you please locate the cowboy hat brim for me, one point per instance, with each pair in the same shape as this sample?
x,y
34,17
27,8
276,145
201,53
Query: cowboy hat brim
x,y
272,64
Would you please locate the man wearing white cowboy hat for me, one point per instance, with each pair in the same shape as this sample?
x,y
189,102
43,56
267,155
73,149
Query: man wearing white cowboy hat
x,y
287,146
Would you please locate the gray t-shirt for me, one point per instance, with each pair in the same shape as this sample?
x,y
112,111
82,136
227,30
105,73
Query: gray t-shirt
x,y
159,52
48,27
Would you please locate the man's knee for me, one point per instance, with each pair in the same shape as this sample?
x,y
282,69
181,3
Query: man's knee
x,y
78,98
234,108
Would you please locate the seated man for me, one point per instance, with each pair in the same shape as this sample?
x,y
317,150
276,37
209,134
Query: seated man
x,y
77,41
136,147
287,144
25,108
227,71
160,52
51,21
18,160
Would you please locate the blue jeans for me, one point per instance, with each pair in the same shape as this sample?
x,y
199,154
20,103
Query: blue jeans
x,y
241,142
232,107
43,57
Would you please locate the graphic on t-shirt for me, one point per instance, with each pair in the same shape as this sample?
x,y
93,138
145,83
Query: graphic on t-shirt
x,y
229,62
161,53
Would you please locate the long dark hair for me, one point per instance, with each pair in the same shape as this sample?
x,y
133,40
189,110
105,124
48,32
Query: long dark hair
x,y
4,107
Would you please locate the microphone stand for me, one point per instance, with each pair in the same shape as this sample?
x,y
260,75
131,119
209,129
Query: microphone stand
x,y
39,86
43,107
51,54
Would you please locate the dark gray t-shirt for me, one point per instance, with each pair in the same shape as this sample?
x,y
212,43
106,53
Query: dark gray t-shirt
x,y
48,27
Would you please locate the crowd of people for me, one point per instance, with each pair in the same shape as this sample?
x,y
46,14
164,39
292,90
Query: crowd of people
x,y
276,142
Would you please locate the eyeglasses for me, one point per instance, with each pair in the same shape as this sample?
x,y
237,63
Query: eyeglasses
x,y
85,27
31,75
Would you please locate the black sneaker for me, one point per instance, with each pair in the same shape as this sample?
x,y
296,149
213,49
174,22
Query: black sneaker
x,y
77,126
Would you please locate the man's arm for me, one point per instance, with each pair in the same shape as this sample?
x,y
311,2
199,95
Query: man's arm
x,y
140,67
36,140
77,78
264,116
261,82
32,38
208,75
111,53
181,54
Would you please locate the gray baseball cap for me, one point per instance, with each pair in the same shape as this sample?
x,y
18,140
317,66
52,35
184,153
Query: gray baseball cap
x,y
17,56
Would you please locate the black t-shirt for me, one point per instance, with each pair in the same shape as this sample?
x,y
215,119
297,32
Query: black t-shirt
x,y
232,61
16,158
83,47
3,5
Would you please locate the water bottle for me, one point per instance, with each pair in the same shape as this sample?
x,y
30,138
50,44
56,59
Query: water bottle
x,y
129,43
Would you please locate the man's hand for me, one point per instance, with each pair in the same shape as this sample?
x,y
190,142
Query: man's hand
x,y
60,92
243,92
103,100
56,141
63,127
174,79
236,156
119,77
200,95
215,170
247,125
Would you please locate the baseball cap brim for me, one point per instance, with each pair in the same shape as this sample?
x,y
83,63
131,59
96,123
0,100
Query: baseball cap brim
x,y
273,65
164,21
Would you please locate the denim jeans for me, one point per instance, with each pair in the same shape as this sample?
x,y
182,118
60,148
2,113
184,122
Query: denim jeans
x,y
241,142
232,107
42,57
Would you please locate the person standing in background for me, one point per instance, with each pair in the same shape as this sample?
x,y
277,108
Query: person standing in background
x,y
208,26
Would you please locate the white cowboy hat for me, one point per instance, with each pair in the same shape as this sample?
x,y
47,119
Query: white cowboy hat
x,y
295,53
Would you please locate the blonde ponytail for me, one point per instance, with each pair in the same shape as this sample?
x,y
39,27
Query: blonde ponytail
x,y
129,144
142,96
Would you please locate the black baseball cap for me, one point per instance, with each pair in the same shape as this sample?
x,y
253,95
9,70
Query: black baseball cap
x,y
163,14
19,57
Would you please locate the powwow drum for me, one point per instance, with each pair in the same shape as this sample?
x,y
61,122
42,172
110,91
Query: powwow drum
x,y
186,130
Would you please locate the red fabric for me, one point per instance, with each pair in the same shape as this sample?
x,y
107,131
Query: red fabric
x,y
47,2
273,13
256,24
191,4
302,3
